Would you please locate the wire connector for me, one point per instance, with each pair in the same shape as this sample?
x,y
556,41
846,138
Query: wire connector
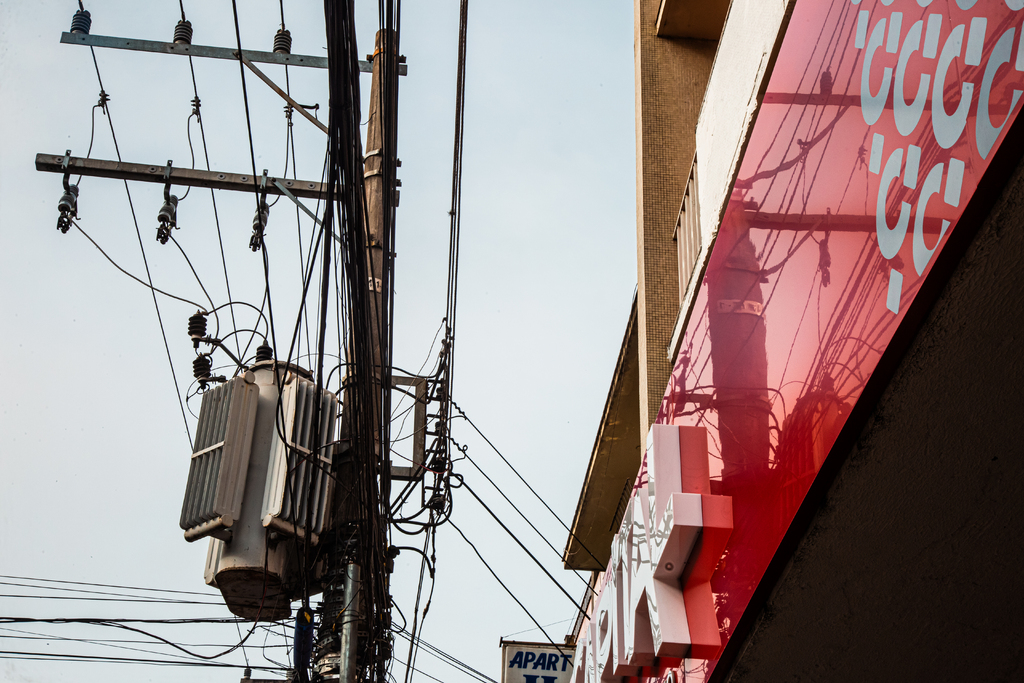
x,y
259,221
168,214
68,204
168,218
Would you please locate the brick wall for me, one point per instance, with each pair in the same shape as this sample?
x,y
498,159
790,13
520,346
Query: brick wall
x,y
671,76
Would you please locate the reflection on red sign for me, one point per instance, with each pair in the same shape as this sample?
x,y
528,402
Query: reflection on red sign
x,y
879,120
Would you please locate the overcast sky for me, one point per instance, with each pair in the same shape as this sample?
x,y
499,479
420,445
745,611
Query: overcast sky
x,y
94,451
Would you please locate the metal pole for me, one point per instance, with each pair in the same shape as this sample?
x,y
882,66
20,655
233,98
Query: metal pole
x,y
177,175
352,615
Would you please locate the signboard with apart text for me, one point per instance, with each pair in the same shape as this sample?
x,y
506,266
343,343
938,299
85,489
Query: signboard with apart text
x,y
535,662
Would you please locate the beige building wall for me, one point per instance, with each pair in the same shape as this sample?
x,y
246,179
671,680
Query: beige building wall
x,y
671,75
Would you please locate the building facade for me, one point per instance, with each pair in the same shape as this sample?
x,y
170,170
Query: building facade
x,y
805,466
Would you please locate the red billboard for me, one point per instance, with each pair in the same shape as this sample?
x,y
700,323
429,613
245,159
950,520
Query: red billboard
x,y
880,118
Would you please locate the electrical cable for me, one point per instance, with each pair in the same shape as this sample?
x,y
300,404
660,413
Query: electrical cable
x,y
92,128
87,641
516,508
554,623
523,546
261,245
142,249
123,623
104,621
37,656
502,583
416,608
191,150
369,339
92,585
455,213
196,275
238,629
448,659
213,197
162,601
462,414
139,280
245,99
428,676
255,177
36,635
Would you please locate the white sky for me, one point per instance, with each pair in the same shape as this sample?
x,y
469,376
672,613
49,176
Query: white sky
x,y
94,456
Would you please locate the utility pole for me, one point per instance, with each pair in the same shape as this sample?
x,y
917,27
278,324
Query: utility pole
x,y
738,355
346,604
355,560
740,376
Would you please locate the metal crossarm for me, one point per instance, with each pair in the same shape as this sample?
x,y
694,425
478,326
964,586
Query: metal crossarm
x,y
240,182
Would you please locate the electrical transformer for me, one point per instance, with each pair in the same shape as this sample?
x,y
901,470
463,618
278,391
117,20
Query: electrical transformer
x,y
260,484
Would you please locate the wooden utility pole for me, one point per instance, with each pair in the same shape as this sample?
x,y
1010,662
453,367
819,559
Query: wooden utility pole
x,y
379,181
352,593
347,596
740,375
738,355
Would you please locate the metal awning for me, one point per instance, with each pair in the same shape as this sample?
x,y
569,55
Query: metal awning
x,y
614,462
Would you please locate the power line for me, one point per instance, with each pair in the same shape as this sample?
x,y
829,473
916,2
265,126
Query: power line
x,y
523,546
101,585
194,273
245,100
105,621
502,583
427,675
162,601
140,281
462,414
448,659
35,635
66,657
516,508
455,213
255,182
554,623
196,104
122,624
116,644
142,249
413,643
